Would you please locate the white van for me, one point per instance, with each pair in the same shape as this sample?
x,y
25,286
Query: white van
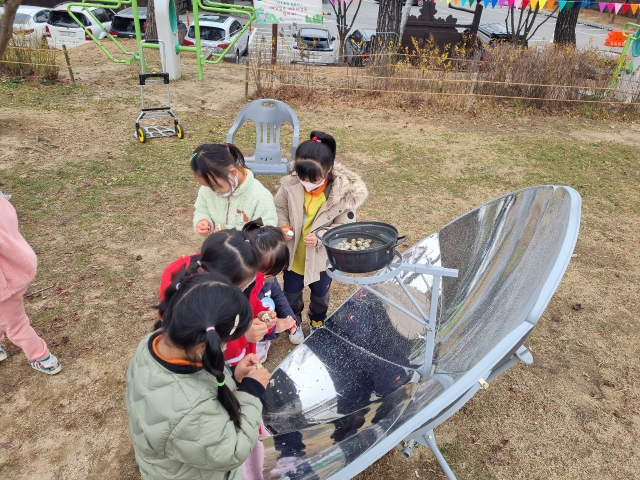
x,y
62,29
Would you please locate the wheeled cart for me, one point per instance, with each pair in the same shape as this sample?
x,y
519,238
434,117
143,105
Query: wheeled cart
x,y
143,133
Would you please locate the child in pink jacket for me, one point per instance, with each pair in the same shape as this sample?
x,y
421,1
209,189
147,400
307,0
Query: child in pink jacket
x,y
18,264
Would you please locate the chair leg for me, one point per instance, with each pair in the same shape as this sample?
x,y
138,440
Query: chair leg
x,y
429,440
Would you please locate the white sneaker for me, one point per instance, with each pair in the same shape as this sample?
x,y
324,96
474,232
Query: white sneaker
x,y
262,348
3,352
297,337
49,365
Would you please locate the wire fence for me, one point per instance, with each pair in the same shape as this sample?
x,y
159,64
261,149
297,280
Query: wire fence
x,y
548,77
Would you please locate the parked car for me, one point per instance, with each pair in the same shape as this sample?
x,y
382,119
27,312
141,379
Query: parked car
x,y
416,3
316,45
357,46
29,22
217,32
122,25
62,29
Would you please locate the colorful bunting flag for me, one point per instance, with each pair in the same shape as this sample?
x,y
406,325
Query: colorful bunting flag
x,y
494,2
550,4
470,3
610,7
634,7
541,4
486,3
602,5
534,4
625,7
517,3
617,7
501,3
525,4
562,4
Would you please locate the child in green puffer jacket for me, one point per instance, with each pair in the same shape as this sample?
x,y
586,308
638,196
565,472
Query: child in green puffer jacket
x,y
190,417
230,195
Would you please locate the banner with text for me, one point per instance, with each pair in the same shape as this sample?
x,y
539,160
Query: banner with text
x,y
288,11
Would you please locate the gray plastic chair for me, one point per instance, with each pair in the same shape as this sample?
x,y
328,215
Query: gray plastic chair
x,y
268,116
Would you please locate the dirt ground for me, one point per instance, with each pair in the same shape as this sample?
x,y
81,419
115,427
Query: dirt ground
x,y
106,214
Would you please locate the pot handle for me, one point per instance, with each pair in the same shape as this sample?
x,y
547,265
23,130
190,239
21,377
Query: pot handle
x,y
400,240
318,229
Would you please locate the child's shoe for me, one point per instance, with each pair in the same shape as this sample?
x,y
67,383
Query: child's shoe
x,y
3,352
262,348
49,365
296,337
316,324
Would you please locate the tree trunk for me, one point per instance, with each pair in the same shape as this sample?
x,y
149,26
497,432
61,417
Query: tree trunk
x,y
388,28
6,23
151,31
565,32
406,13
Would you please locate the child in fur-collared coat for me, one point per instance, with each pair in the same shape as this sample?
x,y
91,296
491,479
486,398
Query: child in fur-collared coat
x,y
318,193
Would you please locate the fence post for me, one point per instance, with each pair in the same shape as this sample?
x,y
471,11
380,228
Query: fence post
x,y
66,57
274,43
246,82
473,86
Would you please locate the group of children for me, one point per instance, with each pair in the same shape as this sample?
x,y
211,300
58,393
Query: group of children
x,y
220,308
194,385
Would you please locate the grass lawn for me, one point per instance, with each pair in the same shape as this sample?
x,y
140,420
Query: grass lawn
x,y
106,214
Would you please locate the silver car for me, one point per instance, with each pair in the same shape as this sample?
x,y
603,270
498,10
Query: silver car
x,y
315,45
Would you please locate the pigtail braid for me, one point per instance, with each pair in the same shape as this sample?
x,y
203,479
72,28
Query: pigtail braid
x,y
213,362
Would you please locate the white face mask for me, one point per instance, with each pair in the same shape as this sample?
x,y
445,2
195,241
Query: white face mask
x,y
233,186
310,187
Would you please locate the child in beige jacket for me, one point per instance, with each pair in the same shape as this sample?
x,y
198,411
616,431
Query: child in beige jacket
x,y
318,193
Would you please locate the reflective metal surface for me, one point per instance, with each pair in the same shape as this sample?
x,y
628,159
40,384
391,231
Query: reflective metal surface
x,y
350,388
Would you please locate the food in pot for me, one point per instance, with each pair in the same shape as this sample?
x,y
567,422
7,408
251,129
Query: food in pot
x,y
354,244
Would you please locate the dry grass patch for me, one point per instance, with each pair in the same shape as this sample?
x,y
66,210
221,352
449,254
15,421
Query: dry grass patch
x,y
106,214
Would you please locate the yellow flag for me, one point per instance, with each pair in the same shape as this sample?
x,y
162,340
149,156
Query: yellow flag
x,y
541,4
534,4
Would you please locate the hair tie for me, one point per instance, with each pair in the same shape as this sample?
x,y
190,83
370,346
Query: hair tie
x,y
198,262
221,384
178,286
315,139
193,155
235,325
210,329
247,240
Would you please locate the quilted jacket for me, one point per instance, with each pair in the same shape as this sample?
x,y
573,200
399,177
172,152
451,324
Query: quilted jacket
x,y
178,428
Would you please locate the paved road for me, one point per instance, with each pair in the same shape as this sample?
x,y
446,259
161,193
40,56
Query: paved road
x,y
368,15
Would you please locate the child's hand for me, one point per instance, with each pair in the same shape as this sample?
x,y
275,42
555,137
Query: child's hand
x,y
288,233
262,375
283,324
268,317
257,331
245,366
203,227
310,240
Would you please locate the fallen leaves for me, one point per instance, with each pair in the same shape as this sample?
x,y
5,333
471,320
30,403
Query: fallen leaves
x,y
607,383
577,307
138,258
597,395
556,318
74,353
494,460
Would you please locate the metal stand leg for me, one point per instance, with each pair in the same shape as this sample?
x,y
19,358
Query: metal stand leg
x,y
429,440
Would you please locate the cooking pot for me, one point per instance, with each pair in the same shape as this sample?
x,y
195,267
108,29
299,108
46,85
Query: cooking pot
x,y
384,240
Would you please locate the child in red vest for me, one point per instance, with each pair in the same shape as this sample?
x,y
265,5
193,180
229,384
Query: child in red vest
x,y
229,252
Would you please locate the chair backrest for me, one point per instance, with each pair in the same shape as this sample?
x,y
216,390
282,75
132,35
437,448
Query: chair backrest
x,y
268,116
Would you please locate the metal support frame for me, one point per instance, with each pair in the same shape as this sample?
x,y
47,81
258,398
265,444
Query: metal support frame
x,y
429,440
394,270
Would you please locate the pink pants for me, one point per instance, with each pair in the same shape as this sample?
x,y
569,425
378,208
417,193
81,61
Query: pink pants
x,y
14,321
